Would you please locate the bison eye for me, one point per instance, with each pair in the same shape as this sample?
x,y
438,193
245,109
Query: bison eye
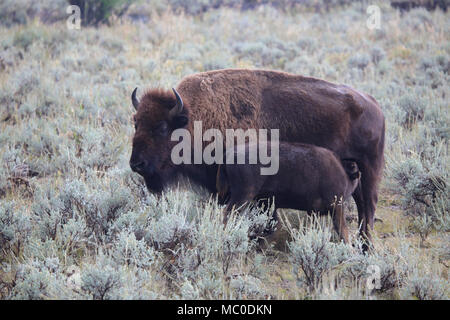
x,y
161,129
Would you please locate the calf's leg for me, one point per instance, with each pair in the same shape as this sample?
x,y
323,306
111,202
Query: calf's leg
x,y
339,222
237,199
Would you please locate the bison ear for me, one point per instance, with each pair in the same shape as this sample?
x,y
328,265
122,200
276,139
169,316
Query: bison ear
x,y
180,121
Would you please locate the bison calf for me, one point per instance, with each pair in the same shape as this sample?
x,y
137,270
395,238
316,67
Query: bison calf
x,y
309,178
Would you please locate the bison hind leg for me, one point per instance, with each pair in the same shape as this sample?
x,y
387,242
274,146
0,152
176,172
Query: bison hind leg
x,y
366,198
362,221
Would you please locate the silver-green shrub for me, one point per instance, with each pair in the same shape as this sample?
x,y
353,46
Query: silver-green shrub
x,y
102,278
426,287
15,228
313,254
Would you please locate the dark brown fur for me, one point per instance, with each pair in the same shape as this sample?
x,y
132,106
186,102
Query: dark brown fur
x,y
304,109
309,178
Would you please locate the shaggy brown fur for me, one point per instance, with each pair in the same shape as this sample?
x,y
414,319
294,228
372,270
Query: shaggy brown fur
x,y
304,109
309,178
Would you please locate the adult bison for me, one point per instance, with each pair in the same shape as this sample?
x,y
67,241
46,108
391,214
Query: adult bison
x,y
304,109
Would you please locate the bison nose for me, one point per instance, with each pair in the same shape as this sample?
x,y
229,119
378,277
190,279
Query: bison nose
x,y
137,166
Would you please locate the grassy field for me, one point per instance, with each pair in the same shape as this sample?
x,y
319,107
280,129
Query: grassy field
x,y
76,223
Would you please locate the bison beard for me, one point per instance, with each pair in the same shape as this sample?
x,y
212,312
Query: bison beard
x,y
153,182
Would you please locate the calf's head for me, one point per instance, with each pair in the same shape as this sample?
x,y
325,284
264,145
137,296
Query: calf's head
x,y
158,113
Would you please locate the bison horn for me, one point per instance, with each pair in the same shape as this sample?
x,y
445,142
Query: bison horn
x,y
134,100
179,106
